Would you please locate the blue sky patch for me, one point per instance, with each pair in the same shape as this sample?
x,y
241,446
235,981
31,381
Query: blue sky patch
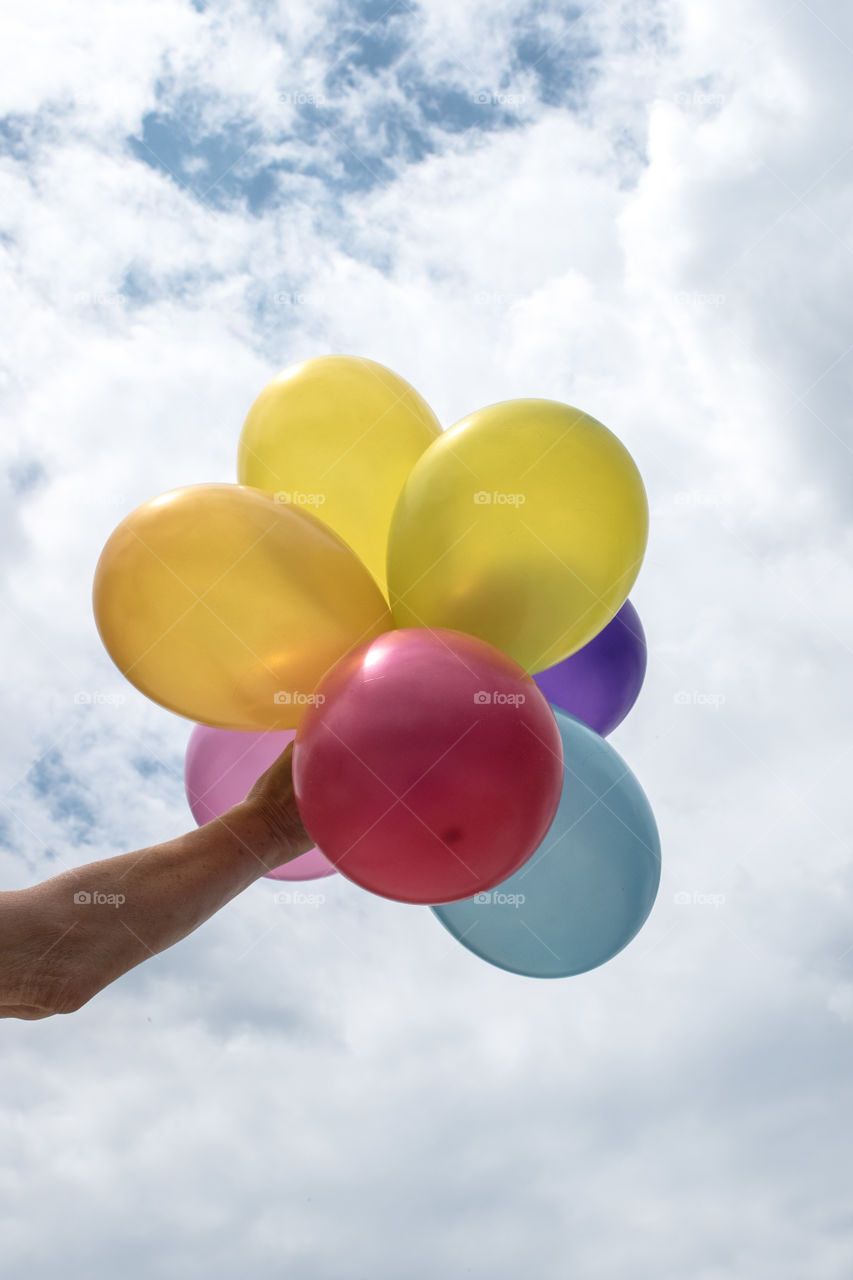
x,y
66,798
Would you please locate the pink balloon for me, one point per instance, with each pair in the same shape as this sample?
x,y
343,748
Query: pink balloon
x,y
220,767
429,768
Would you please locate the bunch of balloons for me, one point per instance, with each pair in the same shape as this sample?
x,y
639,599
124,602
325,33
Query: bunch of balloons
x,y
439,619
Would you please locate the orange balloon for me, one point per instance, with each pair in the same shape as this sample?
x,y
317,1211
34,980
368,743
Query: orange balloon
x,y
228,608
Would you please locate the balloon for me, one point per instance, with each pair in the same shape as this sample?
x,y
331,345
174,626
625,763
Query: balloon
x,y
588,889
429,768
601,682
219,770
338,434
227,607
525,524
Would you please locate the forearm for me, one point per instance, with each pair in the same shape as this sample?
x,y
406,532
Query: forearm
x,y
65,939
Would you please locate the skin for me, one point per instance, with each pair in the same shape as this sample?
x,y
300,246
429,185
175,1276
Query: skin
x,y
56,954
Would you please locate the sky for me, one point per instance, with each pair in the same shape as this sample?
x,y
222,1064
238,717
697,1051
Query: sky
x,y
644,210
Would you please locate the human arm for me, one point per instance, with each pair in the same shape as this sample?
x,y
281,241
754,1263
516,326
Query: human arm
x,y
56,952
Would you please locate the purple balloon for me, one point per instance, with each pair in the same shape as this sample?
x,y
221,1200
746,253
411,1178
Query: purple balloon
x,y
220,767
600,683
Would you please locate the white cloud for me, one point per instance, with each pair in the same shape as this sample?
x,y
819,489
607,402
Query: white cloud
x,y
345,1082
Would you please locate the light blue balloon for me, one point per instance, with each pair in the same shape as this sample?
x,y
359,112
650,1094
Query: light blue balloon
x,y
589,887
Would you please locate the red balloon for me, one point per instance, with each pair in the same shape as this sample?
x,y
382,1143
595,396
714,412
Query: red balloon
x,y
429,767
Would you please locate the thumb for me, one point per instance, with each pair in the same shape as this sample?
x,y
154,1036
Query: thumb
x,y
274,798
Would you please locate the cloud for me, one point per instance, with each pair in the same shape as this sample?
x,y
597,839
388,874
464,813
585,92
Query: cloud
x,y
656,231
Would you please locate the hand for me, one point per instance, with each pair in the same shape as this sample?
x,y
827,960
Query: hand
x,y
274,800
63,941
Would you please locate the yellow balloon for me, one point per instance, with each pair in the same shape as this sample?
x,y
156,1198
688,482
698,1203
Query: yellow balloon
x,y
227,607
525,524
338,435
